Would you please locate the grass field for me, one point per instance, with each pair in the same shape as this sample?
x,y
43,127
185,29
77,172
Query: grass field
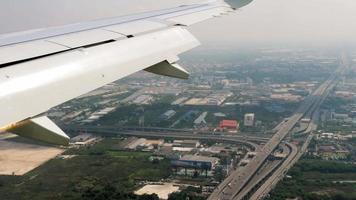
x,y
94,170
318,180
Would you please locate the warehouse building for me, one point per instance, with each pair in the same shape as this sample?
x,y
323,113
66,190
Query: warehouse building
x,y
168,114
186,143
229,125
197,162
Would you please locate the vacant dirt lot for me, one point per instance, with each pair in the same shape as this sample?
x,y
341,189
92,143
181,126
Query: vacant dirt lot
x,y
161,190
20,158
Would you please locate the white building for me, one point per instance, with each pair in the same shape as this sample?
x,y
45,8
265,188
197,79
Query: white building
x,y
168,114
249,119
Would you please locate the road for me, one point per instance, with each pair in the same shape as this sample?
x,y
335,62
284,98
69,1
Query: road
x,y
114,131
241,178
256,137
264,189
320,95
265,171
272,181
237,183
238,180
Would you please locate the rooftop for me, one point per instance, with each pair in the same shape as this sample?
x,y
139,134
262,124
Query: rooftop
x,y
199,158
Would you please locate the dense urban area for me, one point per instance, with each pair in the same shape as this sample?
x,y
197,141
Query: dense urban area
x,y
266,123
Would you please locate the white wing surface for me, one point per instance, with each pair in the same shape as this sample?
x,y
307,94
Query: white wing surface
x,y
40,69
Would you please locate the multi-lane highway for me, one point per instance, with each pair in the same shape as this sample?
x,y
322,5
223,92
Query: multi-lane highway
x,y
314,114
239,179
271,165
241,183
266,187
234,186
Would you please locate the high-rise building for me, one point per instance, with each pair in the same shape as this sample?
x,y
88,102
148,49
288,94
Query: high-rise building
x,y
249,119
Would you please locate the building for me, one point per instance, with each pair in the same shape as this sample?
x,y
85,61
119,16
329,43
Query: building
x,y
249,119
143,99
327,135
199,162
83,140
339,116
168,114
186,143
200,121
331,153
133,143
219,114
230,125
154,143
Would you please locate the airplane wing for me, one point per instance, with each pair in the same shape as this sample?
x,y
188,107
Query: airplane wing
x,y
42,68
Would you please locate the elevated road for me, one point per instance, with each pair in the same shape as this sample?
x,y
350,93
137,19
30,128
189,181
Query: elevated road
x,y
240,182
314,113
272,181
231,188
264,189
265,171
182,135
154,130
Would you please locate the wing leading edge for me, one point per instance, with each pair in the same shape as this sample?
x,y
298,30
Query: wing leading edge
x,y
52,66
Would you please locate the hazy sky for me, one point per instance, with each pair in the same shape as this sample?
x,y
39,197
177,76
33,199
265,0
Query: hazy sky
x,y
288,21
264,21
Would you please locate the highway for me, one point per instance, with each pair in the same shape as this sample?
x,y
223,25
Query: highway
x,y
240,183
233,187
153,130
272,181
241,178
264,189
182,135
265,171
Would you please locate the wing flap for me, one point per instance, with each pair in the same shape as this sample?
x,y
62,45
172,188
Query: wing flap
x,y
84,38
136,27
17,52
42,42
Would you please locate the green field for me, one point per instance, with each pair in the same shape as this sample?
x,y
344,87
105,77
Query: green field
x,y
318,180
98,172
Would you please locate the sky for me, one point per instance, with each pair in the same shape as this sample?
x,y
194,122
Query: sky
x,y
309,22
312,22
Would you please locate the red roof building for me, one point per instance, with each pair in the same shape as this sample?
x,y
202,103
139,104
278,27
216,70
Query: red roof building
x,y
229,124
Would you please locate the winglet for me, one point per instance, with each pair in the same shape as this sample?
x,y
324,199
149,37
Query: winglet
x,y
238,3
168,69
41,129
